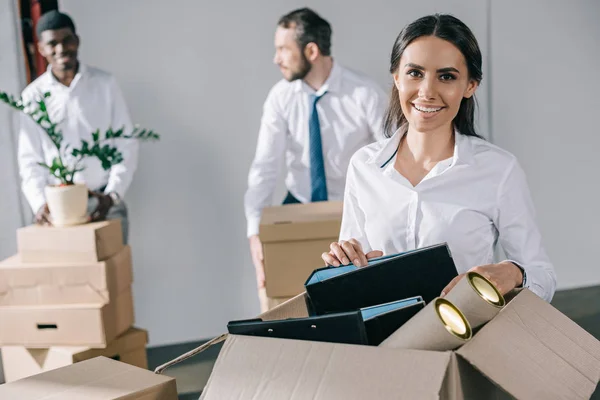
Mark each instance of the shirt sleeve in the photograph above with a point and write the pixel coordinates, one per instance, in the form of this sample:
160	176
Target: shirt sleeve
353	217
264	170
375	106
519	235
34	177
121	175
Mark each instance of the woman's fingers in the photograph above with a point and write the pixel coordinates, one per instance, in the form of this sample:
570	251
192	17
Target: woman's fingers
330	259
374	254
346	252
337	251
360	252
355	254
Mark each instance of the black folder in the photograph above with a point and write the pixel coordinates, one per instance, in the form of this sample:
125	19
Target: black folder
367	326
422	272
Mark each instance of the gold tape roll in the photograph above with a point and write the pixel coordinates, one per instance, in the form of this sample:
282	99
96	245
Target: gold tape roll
440	326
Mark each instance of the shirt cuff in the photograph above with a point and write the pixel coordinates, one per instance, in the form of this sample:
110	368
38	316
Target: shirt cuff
111	187
253	226
531	281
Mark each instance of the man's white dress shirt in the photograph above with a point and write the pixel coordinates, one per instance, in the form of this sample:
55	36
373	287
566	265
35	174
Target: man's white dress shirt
350	115
470	201
92	101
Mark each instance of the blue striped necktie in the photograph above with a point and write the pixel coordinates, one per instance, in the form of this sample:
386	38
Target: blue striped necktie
318	183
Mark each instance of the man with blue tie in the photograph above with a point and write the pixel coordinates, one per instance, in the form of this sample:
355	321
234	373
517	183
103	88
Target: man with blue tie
315	118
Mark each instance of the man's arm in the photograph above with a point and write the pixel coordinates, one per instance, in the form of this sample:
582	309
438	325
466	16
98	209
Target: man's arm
264	170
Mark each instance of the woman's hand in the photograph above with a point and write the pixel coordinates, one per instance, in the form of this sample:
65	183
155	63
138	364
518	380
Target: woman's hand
345	251
505	276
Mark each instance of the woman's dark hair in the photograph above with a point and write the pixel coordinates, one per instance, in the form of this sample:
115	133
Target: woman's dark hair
310	28
454	31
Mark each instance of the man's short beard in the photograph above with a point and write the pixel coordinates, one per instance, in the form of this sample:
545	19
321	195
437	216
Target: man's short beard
303	69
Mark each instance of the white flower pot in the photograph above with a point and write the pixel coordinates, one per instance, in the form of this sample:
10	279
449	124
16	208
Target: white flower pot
67	204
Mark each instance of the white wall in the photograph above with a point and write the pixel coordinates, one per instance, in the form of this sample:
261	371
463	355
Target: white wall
545	88
198	72
11	81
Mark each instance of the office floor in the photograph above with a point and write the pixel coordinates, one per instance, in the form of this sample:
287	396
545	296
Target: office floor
581	305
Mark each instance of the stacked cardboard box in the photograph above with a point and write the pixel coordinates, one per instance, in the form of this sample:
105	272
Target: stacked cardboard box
66	297
293	238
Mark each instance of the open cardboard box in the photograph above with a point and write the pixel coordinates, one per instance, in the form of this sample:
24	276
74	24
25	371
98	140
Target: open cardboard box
293	238
90	242
529	351
97	379
20	362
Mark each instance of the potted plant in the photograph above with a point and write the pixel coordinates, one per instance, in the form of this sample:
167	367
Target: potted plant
67	200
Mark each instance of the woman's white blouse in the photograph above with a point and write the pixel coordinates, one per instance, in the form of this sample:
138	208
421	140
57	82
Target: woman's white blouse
470	201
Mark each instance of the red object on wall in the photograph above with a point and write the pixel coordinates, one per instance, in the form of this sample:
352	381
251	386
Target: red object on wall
40	61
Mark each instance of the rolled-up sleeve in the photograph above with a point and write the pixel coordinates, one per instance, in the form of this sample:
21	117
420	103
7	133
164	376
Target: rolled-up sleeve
519	235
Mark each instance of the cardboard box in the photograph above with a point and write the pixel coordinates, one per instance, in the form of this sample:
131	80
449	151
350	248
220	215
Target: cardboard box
46	316
93	242
107	278
97	379
529	351
294	236
20	362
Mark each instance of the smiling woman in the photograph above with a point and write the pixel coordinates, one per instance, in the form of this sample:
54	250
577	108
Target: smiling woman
434	55
435	180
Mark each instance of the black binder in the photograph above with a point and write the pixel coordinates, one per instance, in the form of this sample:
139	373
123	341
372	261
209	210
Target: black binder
367	326
423	272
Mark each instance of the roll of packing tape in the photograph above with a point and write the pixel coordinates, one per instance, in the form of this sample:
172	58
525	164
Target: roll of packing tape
440	326
477	298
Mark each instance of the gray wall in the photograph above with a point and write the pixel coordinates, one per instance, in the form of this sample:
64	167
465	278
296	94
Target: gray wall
198	72
545	86
11	81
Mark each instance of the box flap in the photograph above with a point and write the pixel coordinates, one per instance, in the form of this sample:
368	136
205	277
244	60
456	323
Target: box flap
97	379
293	308
532	350
52	297
111	276
301	221
265	368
